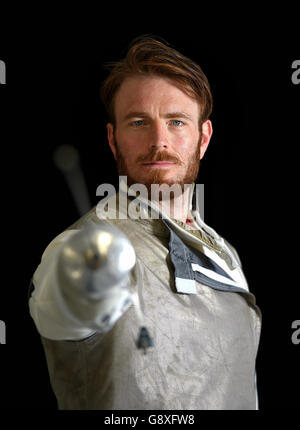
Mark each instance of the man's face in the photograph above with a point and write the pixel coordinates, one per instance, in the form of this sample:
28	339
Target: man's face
157	138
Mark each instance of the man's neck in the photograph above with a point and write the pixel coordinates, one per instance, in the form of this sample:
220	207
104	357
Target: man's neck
177	207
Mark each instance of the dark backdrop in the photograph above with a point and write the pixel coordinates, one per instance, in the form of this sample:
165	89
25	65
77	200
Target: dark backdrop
54	69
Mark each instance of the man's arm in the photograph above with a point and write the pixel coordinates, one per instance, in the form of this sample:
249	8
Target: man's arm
57	318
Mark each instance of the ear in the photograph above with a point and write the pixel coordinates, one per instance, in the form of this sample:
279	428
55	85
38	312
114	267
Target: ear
111	140
207	131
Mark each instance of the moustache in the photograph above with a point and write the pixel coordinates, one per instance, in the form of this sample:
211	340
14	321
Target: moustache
159	156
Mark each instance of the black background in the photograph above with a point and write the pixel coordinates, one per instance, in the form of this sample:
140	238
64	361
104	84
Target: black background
54	68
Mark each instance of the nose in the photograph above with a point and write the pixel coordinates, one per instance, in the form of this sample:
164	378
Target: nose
159	135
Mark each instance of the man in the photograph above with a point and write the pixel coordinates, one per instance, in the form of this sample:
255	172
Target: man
187	281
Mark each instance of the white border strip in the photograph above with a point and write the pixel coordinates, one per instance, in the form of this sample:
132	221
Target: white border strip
213	275
187	286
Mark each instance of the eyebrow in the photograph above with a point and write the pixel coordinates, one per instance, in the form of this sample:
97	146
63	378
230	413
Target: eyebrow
167	115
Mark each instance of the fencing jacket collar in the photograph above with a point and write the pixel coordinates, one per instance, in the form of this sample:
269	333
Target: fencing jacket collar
190	264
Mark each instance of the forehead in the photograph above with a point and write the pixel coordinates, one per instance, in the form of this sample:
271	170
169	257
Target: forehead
149	93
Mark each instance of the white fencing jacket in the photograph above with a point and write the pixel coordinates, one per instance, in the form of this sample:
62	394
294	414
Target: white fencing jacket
188	289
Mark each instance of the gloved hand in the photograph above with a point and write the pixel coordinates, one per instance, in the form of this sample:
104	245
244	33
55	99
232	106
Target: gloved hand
92	272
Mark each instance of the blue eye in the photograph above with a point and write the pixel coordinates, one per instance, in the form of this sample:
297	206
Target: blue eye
177	121
137	123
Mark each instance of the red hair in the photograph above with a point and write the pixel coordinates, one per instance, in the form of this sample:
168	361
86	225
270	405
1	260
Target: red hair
148	56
